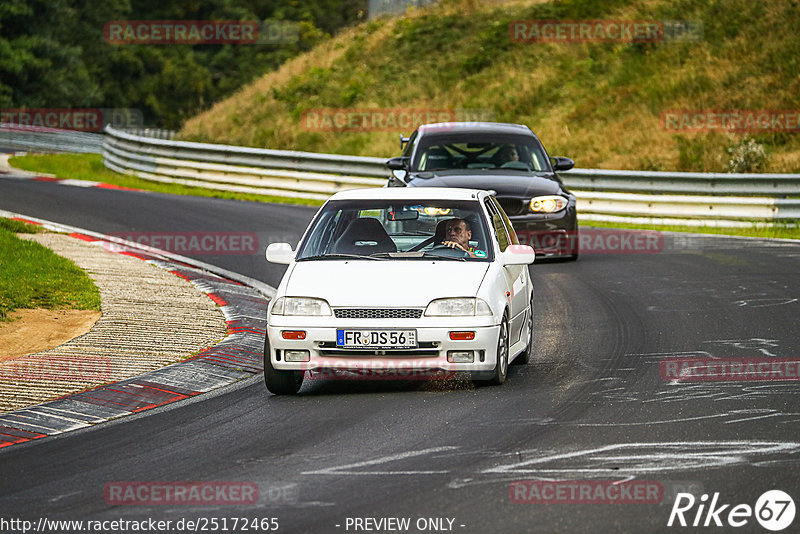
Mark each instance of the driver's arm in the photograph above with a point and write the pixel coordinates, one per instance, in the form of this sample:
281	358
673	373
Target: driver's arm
453	244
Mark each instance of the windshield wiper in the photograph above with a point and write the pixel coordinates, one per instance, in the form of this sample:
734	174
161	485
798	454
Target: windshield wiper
339	257
429	253
400	254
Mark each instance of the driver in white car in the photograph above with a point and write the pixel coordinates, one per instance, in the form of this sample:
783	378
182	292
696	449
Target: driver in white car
457	233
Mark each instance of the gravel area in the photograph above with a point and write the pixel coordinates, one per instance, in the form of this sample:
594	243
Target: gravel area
150	318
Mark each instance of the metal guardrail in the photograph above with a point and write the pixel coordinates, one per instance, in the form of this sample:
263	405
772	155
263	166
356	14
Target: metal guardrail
693	183
19	137
158	133
658	197
709	207
663	197
242	169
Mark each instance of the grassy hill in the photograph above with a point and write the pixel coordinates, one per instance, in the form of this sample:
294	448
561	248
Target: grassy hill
599	103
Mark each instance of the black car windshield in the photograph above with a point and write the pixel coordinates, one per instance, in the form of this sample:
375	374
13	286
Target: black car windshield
480	151
398	230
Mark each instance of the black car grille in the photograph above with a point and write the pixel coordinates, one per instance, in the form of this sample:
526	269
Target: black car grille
377	313
513	206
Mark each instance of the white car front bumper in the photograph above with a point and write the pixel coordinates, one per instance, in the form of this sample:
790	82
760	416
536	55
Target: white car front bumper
431	355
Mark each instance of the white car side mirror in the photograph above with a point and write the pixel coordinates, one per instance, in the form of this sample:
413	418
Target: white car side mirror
280	253
519	255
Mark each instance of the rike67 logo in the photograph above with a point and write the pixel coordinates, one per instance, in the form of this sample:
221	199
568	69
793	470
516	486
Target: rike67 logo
774	510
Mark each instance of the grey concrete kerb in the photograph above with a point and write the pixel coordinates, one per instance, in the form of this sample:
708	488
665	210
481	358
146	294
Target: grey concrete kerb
147	332
150	318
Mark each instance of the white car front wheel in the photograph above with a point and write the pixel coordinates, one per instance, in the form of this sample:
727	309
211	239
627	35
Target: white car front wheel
280	382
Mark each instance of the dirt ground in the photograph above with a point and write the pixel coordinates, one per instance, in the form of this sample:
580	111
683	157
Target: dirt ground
39	329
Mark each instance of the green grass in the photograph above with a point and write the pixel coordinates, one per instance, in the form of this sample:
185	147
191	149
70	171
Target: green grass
90	167
598	103
19	227
33	276
780	231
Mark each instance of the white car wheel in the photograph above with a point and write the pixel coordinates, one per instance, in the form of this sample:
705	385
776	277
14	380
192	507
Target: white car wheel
280	382
525	357
501	368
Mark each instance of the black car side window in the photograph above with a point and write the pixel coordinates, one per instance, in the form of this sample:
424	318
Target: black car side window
409	149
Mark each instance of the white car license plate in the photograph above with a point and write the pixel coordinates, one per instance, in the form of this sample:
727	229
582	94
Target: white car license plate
376	339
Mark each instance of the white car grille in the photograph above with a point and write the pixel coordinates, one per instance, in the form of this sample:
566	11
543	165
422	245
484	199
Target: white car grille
377	313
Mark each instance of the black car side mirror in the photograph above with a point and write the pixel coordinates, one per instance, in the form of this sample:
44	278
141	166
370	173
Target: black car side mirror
397	164
562	164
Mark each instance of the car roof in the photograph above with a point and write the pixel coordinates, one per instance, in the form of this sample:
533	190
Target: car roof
410	193
473	127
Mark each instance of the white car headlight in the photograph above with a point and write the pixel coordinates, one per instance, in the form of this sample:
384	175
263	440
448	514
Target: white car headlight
457	307
548	204
300	306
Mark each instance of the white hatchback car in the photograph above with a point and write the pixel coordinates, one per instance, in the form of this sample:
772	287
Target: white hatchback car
401	283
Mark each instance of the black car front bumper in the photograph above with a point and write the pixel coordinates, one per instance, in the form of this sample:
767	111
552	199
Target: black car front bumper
552	235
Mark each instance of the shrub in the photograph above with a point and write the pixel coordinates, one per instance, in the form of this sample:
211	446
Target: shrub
746	156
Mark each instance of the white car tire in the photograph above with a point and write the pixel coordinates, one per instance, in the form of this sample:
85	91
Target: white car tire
280	382
526	354
501	368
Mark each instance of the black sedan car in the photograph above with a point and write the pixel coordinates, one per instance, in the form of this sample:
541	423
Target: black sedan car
506	158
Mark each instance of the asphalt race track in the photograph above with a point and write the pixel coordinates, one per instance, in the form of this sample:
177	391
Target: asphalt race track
592	405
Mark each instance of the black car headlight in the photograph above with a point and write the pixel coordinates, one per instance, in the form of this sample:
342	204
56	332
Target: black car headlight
547	204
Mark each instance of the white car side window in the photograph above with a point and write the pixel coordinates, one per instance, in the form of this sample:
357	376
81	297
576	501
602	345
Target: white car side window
497	225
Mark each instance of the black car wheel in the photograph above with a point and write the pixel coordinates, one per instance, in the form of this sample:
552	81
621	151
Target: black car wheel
280	382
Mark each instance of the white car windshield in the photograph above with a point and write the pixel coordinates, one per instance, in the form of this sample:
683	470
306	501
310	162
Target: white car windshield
398	230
